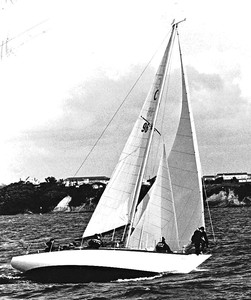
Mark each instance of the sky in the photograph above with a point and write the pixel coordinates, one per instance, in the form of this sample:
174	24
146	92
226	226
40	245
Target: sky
66	65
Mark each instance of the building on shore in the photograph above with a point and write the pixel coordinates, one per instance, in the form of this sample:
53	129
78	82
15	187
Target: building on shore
77	181
240	177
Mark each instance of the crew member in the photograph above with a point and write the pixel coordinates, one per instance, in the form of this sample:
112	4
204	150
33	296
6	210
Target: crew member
200	240
96	242
163	247
204	239
49	245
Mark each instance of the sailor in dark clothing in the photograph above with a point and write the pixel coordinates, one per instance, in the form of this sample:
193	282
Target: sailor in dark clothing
204	239
200	240
96	242
163	247
196	240
49	245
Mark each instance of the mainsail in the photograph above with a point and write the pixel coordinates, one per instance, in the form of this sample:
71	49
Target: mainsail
184	167
115	206
157	214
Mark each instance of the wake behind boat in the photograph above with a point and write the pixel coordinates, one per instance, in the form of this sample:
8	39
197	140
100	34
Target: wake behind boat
172	208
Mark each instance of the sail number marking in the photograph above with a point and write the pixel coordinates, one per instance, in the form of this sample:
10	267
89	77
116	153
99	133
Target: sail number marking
145	127
156	95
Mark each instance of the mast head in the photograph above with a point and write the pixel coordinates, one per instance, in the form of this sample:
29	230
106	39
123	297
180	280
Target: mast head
175	24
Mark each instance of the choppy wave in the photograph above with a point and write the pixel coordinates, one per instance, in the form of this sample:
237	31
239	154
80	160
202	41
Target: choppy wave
7	279
140	278
226	275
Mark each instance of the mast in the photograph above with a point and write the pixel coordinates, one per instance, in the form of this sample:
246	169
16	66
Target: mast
157	95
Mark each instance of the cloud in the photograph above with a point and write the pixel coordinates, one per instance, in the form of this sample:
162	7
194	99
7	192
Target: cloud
59	90
217	96
205	81
221	118
57	148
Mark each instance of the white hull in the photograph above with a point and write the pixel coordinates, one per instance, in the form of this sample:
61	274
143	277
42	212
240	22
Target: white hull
106	264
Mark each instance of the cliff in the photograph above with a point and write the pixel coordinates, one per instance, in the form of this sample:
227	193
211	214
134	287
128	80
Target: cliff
228	194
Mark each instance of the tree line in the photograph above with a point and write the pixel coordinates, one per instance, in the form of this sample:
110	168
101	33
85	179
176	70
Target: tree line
22	196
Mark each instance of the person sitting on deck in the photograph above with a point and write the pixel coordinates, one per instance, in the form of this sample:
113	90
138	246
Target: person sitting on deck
96	242
163	247
49	245
70	246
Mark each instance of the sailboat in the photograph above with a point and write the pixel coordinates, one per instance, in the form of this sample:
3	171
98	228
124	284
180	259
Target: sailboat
172	208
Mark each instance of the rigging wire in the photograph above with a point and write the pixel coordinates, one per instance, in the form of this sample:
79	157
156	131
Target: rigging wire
119	107
208	208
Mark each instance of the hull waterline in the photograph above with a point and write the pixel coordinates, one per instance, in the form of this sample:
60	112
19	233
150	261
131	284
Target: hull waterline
102	265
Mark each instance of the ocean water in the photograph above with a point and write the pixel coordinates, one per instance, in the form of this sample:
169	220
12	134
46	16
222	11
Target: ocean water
226	275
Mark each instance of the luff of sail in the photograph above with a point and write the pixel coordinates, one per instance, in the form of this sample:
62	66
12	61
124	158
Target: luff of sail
155	215
115	206
184	167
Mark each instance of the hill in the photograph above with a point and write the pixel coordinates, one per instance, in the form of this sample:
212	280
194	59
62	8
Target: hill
26	197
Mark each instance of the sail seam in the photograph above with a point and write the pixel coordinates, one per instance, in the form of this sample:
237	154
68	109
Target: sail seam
184	135
176	151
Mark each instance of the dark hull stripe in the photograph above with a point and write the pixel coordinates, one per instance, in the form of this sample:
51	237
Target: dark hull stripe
77	274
